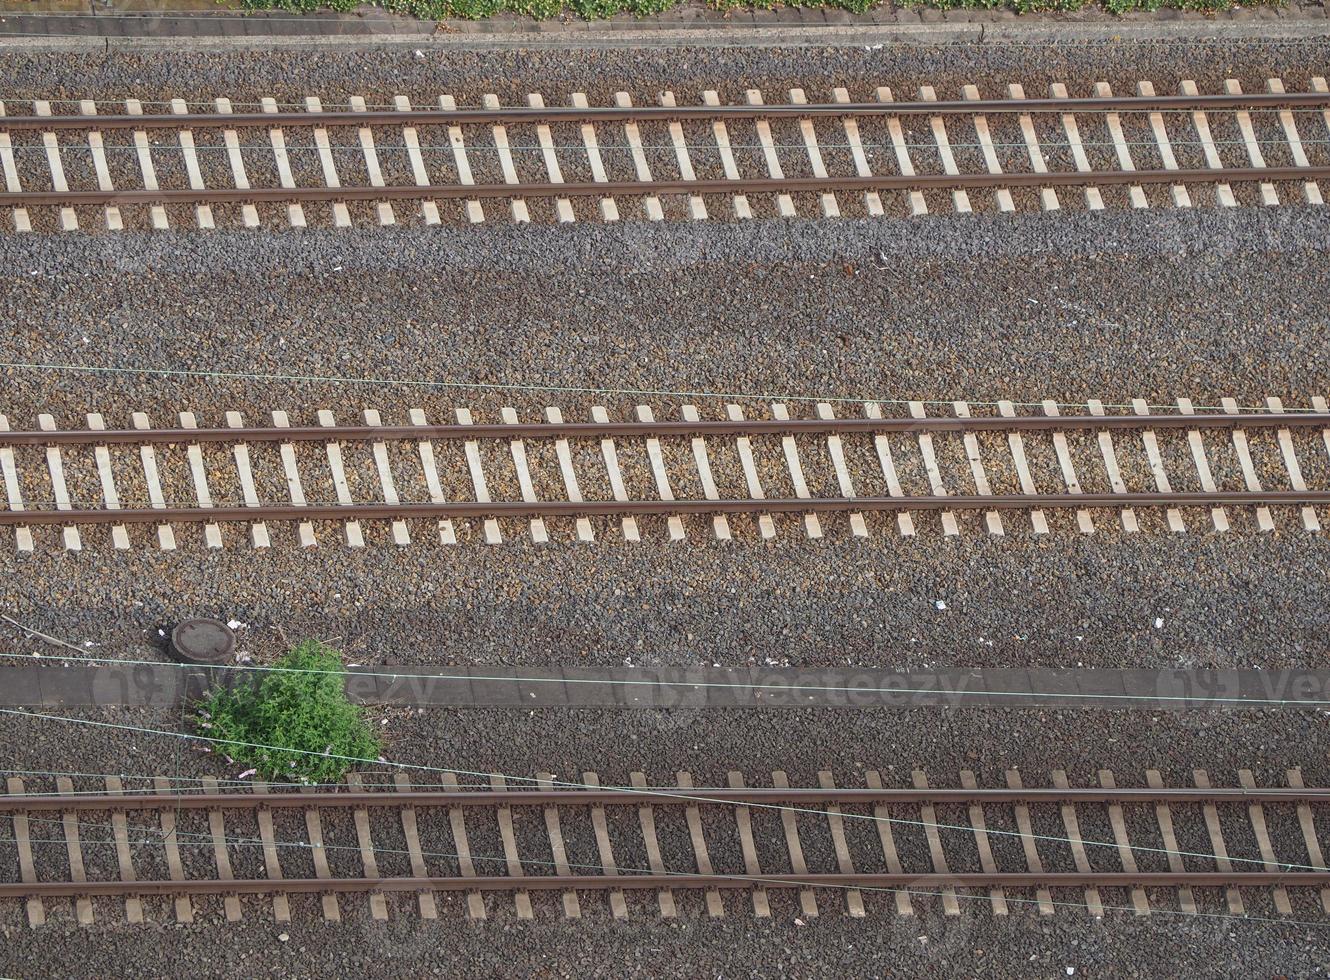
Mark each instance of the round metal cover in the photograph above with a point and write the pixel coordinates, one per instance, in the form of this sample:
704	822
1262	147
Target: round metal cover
203	641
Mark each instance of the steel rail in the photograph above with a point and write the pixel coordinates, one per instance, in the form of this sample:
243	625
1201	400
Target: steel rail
755	185
553	115
600	430
635	881
612	508
612	795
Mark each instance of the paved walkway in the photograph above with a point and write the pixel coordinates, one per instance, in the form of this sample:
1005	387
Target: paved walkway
55	684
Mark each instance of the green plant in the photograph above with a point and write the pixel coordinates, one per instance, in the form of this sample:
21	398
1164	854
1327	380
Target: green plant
296	723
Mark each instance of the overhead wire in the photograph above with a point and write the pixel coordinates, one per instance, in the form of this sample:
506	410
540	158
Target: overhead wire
268	378
781	687
669	792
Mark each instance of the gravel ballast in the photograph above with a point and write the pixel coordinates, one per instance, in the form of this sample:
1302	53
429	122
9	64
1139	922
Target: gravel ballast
424	74
1202	303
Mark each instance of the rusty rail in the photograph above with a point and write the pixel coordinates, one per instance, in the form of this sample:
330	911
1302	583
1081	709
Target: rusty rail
601	430
615	795
788	185
629	880
553	115
614	508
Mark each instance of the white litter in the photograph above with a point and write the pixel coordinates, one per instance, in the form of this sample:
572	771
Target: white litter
235	624
1159	622
247	773
939	604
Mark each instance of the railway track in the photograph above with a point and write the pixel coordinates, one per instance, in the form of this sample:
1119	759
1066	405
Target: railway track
739	474
861	849
116	165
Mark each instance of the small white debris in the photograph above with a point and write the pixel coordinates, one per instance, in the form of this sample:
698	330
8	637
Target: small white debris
1159	622
923	939
800	922
283	938
89	643
384	721
420	55
353	665
247	773
1071	971
161	632
939	604
382	759
35	653
235	624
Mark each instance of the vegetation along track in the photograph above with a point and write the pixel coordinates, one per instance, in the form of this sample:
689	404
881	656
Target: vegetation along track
1009	848
446	163
1055	469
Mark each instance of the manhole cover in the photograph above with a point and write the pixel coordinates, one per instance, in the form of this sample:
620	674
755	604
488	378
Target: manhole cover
203	641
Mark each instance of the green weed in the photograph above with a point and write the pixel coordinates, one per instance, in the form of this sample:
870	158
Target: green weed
304	711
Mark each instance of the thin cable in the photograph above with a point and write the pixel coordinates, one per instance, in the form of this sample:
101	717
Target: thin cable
629	871
664	791
561	389
723	685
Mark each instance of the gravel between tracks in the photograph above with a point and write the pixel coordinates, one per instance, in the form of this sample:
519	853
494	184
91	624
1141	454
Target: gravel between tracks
833	945
335	75
1237	602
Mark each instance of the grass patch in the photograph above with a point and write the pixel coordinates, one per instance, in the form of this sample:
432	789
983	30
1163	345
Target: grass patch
306	711
601	9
